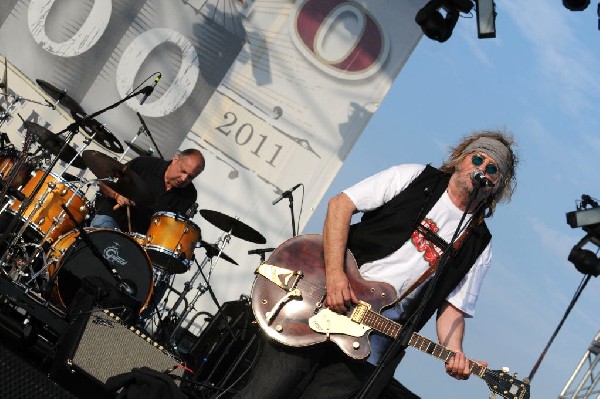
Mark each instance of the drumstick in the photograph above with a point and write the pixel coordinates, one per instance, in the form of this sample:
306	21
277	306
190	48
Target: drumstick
129	218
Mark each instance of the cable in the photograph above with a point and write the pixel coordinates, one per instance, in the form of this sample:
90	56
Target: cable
582	285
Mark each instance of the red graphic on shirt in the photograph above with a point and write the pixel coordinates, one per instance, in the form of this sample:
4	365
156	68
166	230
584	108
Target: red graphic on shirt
431	252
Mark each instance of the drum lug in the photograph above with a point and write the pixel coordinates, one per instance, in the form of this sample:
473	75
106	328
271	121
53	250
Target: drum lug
149	238
156	221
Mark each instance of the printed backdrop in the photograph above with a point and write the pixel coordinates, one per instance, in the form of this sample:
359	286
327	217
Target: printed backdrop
274	93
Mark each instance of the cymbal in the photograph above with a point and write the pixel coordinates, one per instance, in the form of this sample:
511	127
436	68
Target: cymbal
102	135
54	143
61	96
233	226
129	184
212	250
137	149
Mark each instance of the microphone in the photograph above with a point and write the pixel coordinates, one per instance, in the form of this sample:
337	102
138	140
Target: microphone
149	89
478	177
286	193
192	210
260	251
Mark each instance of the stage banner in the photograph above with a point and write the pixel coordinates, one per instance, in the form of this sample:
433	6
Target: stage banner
275	94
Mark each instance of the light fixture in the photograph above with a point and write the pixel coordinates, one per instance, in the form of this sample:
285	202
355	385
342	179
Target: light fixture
585	261
437	26
486	19
576	5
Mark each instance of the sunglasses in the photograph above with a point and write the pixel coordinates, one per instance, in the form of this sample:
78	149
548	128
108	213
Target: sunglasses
491	168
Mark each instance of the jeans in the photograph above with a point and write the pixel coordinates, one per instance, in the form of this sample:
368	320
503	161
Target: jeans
104	222
320	371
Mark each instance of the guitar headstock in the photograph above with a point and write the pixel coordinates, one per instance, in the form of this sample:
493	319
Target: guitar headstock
506	385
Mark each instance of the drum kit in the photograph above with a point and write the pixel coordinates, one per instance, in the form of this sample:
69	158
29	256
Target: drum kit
46	246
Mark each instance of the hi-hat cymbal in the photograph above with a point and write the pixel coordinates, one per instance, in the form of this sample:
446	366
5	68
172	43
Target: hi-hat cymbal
212	250
101	135
62	97
137	149
233	226
54	144
129	184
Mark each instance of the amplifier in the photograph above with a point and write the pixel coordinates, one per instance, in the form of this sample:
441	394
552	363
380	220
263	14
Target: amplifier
108	348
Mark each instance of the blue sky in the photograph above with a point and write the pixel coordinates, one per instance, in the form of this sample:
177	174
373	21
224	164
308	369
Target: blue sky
540	80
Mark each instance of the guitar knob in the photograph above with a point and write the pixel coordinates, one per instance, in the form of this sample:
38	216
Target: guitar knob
356	345
278	328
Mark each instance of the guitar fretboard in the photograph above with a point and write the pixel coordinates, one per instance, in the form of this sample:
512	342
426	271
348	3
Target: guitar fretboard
392	329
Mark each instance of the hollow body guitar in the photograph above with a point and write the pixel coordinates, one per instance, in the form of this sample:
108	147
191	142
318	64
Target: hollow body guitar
287	301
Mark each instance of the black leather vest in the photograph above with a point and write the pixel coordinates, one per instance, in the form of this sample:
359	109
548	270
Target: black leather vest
385	229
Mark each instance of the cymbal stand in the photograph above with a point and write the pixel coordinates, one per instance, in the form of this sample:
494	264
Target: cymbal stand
202	288
139	132
6	114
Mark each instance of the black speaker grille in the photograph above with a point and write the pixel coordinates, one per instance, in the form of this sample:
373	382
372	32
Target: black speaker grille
21	380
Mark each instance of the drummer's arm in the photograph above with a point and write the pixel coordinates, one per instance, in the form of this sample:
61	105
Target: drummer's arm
112	194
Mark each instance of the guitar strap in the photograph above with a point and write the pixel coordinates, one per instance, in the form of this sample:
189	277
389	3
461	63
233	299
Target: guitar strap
439	242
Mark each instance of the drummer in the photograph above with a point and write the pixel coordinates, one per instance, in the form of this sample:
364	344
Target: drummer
168	182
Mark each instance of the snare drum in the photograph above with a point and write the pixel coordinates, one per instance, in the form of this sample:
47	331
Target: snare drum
72	260
47	218
170	241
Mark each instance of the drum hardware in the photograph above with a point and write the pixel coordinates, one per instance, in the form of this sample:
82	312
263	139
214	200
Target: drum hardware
128	183
61	97
233	226
138	150
214	250
56	145
101	135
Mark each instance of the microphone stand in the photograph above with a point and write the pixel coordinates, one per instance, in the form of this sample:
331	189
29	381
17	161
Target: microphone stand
397	349
149	135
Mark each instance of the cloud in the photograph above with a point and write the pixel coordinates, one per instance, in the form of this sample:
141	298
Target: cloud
564	59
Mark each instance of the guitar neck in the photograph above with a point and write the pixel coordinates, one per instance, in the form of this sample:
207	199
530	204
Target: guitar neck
392	329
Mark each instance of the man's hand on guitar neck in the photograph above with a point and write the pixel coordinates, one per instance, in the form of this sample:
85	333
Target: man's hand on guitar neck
340	295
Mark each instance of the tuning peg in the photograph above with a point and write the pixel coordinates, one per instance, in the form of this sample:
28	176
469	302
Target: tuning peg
505	370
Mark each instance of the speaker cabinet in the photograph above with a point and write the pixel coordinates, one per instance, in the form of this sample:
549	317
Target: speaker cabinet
20	379
103	347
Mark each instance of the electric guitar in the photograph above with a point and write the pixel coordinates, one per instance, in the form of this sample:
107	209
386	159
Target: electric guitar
287	301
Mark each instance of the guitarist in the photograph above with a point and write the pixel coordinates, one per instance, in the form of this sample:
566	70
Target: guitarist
410	214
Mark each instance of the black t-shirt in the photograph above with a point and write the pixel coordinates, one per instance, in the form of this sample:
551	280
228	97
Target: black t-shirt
152	171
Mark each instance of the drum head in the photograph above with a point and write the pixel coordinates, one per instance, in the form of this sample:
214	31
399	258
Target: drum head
121	253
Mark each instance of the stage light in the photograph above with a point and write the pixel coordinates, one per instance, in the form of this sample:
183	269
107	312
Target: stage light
576	5
437	26
486	19
585	261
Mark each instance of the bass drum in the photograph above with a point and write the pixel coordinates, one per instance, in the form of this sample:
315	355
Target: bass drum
72	260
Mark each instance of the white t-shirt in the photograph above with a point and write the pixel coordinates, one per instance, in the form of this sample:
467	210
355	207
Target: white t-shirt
404	266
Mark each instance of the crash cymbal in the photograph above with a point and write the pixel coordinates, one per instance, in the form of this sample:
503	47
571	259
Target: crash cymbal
101	135
129	184
212	250
138	150
233	226
53	143
61	96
